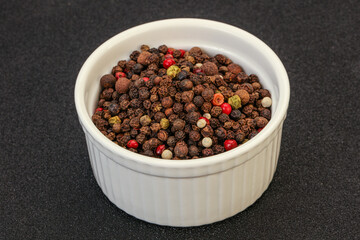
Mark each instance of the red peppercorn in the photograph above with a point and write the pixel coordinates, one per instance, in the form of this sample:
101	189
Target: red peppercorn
197	70
169	56
259	130
230	144
182	52
170	51
160	149
119	75
99	109
218	99
145	79
207	120
226	108
168	62
132	144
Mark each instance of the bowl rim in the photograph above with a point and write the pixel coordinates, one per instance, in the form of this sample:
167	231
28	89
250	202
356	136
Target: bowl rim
276	120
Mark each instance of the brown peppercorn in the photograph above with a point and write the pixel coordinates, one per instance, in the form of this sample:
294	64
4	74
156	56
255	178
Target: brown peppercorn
254	97
256	85
167	102
199	89
208	94
168	111
180	135
239	136
223	117
214	123
207	131
207	152
158	116
195	51
178	107
218	149
125	125
247	87
134	132
173	117
154	142
187	96
248	109
140	138
235	125
261	122
252	134
107	94
163	91
254	114
253	78
186	85
242	78
264	93
171	141
163	49
181	149
135	122
220	133
216	111
178	124
114	109
206	107
234	68
144	93
230	134
194	135
193	150
210	69
107	81
162	135
123	140
193	117
190	107
227	125
266	113
198	101
155	127
147	104
116	127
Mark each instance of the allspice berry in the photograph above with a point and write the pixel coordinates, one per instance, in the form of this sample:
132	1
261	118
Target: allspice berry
122	85
181	149
244	96
144	58
210	69
107	81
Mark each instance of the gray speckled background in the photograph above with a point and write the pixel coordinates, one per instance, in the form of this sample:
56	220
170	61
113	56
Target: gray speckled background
47	187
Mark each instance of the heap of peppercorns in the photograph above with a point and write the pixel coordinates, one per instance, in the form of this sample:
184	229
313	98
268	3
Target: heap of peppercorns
176	104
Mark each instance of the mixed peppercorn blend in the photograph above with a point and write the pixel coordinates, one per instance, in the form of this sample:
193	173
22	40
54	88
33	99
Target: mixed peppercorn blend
176	104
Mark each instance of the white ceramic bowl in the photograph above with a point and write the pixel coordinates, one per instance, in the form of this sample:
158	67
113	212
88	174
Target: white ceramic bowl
188	192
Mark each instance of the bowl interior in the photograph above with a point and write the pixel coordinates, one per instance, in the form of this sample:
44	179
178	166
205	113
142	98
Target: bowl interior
213	37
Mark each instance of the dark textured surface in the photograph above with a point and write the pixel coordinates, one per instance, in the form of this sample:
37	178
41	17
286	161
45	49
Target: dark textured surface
47	187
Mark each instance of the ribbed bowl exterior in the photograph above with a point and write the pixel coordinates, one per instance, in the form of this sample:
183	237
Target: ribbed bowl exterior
190	201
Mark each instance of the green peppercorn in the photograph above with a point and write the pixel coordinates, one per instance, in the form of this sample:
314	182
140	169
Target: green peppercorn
114	120
164	123
235	102
173	71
